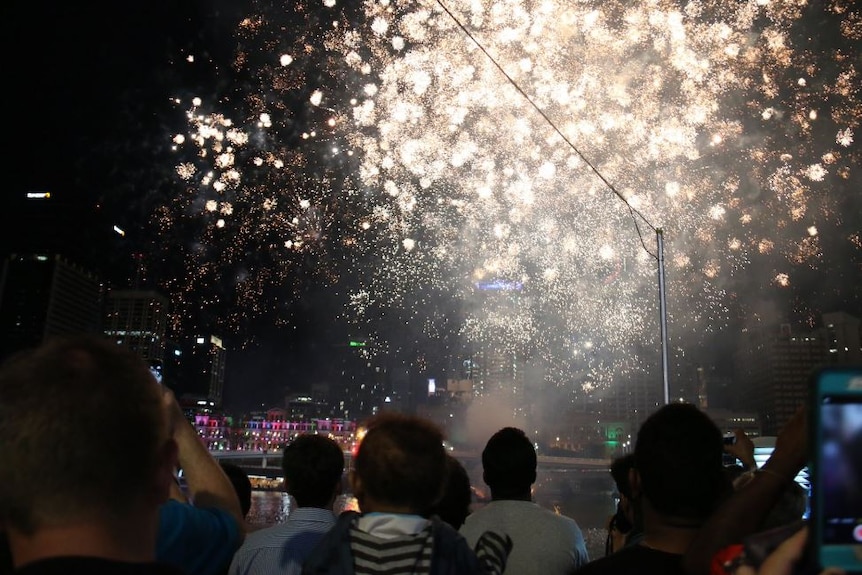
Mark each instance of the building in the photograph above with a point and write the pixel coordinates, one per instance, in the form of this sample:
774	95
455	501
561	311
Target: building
633	394
842	332
773	364
494	358
138	320
715	389
498	370
728	421
42	296
360	384
307	406
195	370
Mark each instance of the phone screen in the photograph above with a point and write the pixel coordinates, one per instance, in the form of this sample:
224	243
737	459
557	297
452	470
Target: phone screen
837	484
156	370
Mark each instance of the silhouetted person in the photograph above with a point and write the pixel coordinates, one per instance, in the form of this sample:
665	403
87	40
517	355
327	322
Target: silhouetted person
624	527
454	506
86	458
398	476
241	484
677	481
313	466
543	542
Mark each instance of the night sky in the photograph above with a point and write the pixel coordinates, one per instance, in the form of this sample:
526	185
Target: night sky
87	111
87	87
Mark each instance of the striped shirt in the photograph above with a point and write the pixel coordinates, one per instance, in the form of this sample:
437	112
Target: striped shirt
390	544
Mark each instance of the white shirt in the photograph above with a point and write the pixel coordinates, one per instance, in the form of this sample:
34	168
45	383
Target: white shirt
543	542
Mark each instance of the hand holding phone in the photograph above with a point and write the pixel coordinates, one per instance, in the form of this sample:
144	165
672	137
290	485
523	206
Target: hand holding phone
836	470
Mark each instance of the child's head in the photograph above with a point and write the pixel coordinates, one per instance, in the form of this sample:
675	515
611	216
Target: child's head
400	465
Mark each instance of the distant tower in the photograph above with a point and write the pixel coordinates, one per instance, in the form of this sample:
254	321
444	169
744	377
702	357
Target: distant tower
42	296
497	363
843	338
217	355
498	371
772	367
138	320
201	366
361	383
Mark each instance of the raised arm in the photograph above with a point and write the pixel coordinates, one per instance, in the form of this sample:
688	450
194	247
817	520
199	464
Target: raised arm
742	449
744	511
208	484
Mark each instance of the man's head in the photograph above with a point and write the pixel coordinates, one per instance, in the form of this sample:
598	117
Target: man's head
509	464
313	466
83	435
454	506
678	459
400	465
241	484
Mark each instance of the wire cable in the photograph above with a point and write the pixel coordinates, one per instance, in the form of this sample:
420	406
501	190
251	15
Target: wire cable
633	212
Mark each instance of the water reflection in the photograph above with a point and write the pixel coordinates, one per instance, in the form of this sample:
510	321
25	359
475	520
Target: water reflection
271	507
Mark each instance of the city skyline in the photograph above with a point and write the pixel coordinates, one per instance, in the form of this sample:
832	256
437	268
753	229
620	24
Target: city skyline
97	122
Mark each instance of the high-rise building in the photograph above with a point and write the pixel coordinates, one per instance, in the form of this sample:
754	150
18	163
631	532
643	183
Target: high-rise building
361	384
138	320
498	371
774	363
843	338
201	368
42	296
495	361
715	389
628	395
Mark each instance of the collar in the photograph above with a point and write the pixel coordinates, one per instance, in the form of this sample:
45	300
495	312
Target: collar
391	525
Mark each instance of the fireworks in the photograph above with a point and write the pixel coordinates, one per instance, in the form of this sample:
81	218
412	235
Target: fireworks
385	149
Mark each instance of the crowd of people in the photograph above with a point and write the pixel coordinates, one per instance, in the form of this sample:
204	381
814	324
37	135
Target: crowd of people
91	447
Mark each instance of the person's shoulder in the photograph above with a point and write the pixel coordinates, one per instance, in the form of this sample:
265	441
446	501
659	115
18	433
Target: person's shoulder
268	536
634	560
441	528
270	549
187	533
326	556
94	566
176	512
477	521
559	518
311	515
300	520
620	562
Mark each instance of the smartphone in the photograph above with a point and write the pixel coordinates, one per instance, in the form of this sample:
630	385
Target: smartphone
836	468
727	459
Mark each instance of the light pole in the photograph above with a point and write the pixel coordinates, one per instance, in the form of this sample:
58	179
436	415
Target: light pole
662	310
